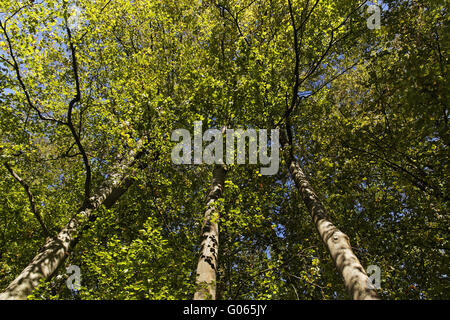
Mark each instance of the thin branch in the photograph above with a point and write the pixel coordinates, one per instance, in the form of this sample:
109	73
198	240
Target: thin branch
333	78
7	61
314	65
101	11
16	68
297	59
308	16
76	99
415	180
17	11
33	207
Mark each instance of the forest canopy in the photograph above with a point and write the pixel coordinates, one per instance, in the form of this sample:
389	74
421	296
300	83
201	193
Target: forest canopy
96	95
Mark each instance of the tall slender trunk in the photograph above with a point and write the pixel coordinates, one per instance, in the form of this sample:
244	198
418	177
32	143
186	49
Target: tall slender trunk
355	278
56	249
207	263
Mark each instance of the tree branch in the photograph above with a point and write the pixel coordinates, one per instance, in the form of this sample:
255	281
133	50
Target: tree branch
76	99
33	208
16	68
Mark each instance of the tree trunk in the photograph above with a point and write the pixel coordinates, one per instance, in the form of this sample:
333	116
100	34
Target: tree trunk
207	263
56	249
355	278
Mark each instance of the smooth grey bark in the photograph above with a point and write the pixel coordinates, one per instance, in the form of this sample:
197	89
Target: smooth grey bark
56	249
355	277
207	262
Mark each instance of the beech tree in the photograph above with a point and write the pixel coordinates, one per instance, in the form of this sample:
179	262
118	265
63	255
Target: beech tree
207	264
91	91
